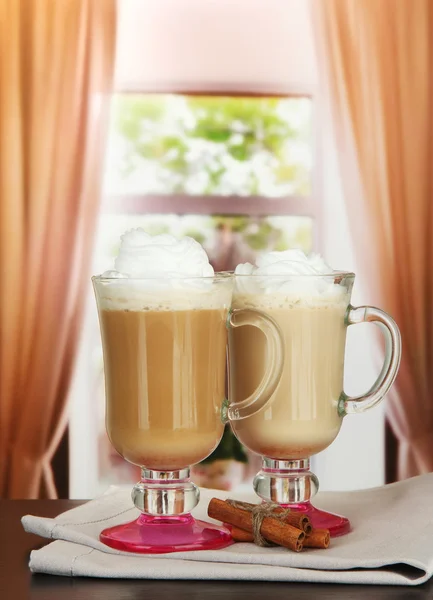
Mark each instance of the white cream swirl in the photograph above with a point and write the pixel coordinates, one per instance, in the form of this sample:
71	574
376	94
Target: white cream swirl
288	262
161	256
292	275
161	273
291	262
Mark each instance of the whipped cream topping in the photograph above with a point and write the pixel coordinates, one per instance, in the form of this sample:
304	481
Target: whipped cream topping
159	256
161	273
287	278
288	262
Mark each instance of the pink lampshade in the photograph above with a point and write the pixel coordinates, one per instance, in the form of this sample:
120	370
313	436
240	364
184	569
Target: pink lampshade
215	46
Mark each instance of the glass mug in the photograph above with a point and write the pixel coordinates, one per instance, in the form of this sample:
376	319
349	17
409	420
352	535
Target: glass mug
304	415
164	347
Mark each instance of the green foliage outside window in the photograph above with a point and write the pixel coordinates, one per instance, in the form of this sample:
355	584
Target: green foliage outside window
212	145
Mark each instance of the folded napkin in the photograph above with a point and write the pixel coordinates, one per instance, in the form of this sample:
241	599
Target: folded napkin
391	542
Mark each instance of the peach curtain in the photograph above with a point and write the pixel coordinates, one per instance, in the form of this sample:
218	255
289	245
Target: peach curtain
377	58
56	64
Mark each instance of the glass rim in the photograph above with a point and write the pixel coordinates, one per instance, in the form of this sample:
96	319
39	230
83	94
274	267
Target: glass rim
218	276
225	275
333	274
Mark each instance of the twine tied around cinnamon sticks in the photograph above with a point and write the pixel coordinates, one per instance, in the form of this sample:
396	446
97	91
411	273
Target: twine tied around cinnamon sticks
268	524
259	512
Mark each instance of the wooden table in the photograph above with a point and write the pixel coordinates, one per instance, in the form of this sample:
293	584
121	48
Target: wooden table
17	583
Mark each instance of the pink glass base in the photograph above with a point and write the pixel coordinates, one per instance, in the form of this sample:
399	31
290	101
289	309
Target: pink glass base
158	535
321	519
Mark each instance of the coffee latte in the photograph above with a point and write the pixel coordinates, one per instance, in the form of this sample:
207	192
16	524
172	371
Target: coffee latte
302	418
164	377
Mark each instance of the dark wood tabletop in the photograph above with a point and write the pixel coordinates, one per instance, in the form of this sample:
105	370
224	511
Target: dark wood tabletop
17	583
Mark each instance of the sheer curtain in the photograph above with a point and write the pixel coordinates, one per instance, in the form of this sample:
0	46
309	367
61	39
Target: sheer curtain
56	64
377	61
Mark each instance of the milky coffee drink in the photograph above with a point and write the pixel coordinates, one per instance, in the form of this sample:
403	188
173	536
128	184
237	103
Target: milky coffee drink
302	417
164	344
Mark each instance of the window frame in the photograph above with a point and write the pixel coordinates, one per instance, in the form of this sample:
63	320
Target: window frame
204	205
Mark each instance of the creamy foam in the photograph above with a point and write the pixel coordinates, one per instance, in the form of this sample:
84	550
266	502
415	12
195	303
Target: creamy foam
134	295
284	279
161	273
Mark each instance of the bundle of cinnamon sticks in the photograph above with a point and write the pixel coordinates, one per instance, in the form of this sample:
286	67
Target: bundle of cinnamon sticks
292	530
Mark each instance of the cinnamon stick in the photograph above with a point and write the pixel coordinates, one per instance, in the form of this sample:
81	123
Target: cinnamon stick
319	538
273	530
297	520
239	535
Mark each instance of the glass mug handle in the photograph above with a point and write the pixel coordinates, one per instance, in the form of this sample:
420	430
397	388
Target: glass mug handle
234	411
368	314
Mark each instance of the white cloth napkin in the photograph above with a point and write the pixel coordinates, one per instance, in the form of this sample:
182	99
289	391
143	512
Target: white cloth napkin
391	542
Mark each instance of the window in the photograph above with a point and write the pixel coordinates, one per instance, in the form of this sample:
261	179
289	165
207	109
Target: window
204	145
234	172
